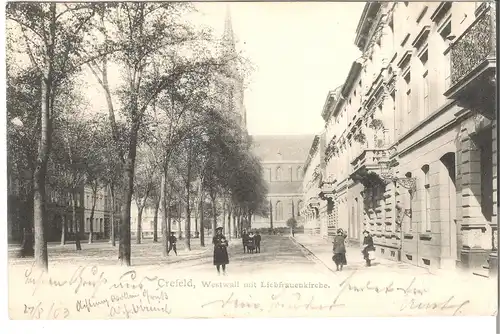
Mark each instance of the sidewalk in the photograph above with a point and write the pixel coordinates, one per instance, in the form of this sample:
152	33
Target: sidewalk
321	249
104	253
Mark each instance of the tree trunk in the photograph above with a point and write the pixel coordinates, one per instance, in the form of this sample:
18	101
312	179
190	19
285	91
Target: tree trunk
196	221
224	215
63	230
76	223
235	226
39	215
188	201
91	226
202	220
155	221
250	220
164	214
229	223
169	220
28	241
179	211
112	234
239	223
128	175
271	214
214	215
187	240
140	208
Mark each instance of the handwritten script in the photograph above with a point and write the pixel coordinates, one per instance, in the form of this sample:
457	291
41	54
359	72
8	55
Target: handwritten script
92	292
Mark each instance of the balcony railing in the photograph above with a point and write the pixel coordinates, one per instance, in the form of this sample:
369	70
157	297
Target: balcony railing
475	45
368	158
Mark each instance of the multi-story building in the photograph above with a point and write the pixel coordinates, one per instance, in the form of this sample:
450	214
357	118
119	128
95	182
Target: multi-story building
282	159
411	135
317	209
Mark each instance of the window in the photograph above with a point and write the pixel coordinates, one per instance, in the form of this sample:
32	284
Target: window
87	224
407	79
426	94
408	210
278	174
425	78
279	211
445	33
426	201
290	172
299	208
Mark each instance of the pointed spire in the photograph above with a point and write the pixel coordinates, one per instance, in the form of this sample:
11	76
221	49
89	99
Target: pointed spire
228	36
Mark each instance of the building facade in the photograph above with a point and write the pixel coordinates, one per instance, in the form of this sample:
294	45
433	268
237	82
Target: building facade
411	135
317	210
282	159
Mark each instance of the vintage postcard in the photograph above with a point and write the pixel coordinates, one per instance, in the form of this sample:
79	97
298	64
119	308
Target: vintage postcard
255	159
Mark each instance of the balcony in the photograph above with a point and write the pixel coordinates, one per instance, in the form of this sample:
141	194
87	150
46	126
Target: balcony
473	64
369	159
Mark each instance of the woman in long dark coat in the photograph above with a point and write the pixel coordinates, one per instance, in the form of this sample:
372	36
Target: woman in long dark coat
339	249
367	247
221	258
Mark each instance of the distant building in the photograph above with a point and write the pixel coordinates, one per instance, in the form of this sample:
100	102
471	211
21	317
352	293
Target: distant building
282	158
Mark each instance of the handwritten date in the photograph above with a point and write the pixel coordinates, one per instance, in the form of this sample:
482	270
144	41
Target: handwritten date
40	311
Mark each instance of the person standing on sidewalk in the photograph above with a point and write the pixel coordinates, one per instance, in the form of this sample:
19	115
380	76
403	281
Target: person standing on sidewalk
172	240
339	249
258	238
367	247
221	258
244	239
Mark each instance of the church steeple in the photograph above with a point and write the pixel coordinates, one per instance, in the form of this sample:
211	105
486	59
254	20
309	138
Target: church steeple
234	88
228	37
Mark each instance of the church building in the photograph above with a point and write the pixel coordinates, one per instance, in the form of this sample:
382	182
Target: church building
282	158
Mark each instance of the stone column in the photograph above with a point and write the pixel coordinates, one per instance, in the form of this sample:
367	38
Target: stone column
473	228
458	194
446	207
493	258
388	118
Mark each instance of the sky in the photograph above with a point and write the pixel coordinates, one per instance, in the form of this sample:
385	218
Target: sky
299	51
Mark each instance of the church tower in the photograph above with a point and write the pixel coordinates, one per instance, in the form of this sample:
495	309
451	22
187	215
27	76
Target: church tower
234	89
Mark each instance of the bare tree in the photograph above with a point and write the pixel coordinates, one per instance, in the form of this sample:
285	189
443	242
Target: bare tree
50	35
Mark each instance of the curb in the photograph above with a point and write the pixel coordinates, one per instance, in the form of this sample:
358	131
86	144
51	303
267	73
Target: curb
311	254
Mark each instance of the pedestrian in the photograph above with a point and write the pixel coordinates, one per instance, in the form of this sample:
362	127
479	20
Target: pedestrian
367	247
339	249
244	239
250	242
221	258
258	238
172	240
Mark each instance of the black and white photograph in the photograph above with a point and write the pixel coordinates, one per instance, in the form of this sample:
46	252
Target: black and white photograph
251	159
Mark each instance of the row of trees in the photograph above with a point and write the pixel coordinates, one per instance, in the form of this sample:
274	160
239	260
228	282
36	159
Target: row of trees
167	134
